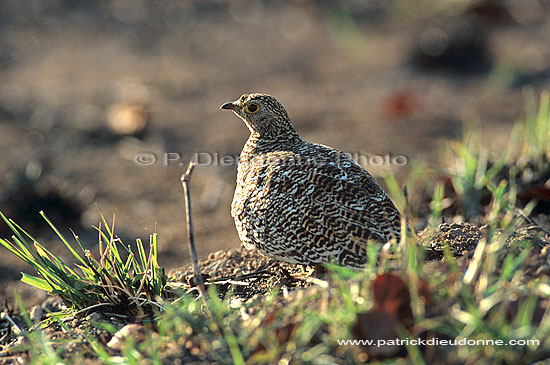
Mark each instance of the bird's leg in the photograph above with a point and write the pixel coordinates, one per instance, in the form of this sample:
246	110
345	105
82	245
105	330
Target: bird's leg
288	276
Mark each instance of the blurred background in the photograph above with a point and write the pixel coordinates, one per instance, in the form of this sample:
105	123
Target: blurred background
88	86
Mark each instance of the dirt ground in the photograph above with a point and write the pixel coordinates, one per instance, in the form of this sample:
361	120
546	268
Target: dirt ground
394	78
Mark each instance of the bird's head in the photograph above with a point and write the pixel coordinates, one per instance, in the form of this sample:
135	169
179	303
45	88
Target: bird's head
262	114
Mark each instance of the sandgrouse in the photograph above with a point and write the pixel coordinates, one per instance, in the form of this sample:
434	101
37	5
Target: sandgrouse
302	202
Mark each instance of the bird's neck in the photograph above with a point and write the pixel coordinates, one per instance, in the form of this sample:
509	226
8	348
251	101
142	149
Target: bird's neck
263	143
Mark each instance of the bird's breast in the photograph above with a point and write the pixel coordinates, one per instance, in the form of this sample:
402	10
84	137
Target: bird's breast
258	181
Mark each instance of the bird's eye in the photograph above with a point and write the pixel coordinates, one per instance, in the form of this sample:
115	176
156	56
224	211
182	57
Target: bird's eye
251	108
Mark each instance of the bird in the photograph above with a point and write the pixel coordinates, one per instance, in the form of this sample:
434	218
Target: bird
301	202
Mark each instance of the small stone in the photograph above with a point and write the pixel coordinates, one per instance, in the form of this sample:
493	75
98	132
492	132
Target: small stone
37	314
136	331
53	304
94	317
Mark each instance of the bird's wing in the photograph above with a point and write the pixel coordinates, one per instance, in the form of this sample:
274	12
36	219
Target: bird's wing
338	204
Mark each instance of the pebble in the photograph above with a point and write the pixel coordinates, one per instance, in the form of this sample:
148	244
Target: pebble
37	314
137	331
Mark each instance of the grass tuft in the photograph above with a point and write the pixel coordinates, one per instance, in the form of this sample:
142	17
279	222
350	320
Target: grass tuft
132	286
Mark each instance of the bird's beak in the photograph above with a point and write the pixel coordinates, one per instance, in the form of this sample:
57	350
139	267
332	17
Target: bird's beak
230	106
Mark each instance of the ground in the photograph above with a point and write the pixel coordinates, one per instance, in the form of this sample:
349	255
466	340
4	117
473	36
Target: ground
249	276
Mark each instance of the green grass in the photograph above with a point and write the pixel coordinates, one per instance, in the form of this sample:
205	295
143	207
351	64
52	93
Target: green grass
132	285
489	297
476	172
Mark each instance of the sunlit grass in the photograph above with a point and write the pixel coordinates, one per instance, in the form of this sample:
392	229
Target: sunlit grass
476	172
133	285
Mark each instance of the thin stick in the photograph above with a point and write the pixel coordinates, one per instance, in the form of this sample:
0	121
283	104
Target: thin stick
6	316
185	180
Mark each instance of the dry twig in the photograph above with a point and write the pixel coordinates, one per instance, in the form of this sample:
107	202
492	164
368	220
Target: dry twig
185	180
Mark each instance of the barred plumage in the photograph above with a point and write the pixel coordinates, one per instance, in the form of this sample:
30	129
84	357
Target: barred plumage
302	202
